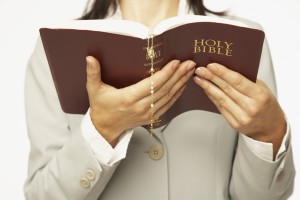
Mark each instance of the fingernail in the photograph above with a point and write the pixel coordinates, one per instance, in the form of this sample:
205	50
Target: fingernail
88	63
198	80
182	89
199	70
190	66
175	64
212	66
189	73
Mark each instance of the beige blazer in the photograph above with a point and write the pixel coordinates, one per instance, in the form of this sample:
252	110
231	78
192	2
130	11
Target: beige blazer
203	157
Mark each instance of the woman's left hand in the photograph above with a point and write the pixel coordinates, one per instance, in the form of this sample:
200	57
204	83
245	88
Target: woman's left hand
250	108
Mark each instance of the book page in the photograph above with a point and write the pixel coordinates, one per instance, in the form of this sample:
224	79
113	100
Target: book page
174	22
135	29
122	27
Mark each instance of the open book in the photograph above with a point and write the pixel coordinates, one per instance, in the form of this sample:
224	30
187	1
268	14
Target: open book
120	46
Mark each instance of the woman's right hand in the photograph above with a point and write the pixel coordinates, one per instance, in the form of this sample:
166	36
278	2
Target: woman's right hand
115	110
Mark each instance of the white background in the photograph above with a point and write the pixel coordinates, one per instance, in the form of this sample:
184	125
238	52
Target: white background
19	23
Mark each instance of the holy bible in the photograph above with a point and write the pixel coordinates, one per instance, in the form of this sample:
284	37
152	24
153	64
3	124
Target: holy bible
121	48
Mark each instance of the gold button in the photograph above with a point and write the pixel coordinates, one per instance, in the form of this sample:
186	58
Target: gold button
90	175
85	183
156	152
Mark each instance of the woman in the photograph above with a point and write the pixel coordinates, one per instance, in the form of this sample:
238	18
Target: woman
245	153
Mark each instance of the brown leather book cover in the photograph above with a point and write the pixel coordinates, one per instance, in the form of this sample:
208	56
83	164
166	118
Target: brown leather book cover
124	59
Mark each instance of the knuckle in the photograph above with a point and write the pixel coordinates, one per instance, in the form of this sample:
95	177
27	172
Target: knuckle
226	88
236	126
264	98
126	102
221	101
165	89
244	121
238	80
90	78
169	96
261	101
253	110
123	105
129	97
91	74
141	109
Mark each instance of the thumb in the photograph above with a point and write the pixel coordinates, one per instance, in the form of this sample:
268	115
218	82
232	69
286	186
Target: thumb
93	73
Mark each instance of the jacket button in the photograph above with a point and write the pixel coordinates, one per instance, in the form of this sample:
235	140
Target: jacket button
156	152
90	175
85	183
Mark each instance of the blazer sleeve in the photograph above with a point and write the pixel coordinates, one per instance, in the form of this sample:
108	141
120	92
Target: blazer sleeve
61	163
253	177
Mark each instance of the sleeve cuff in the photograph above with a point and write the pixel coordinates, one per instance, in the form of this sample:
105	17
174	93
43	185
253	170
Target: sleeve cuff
102	150
265	150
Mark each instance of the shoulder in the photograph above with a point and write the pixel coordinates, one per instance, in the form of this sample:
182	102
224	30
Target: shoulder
38	57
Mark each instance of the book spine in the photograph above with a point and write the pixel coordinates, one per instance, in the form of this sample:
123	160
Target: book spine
154	60
159	55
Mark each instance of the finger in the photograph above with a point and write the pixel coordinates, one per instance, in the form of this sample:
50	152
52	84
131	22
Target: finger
179	78
236	80
219	98
227	115
141	89
93	74
159	111
162	100
238	97
262	83
171	87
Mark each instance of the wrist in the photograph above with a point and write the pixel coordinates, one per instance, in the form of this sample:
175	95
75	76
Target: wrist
108	131
273	135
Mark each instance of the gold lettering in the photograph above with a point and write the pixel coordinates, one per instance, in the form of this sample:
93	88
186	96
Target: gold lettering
228	45
228	52
210	42
213	47
219	44
197	49
157	54
219	51
204	49
211	50
201	43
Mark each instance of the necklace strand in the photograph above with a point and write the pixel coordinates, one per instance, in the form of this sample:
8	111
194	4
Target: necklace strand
150	53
